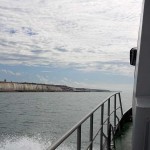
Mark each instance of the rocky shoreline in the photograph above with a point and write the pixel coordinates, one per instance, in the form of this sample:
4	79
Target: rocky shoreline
37	87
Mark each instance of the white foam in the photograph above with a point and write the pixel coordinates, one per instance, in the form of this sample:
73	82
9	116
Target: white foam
23	143
30	143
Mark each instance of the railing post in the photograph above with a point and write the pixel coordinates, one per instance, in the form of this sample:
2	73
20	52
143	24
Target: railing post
79	138
113	138
120	104
109	137
115	112
101	133
91	132
108	122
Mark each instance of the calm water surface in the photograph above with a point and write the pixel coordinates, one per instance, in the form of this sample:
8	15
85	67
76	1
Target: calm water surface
30	121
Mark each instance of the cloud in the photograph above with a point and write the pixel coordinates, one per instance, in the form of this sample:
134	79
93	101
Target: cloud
22	30
42	79
84	35
46	71
28	31
61	49
9	72
113	67
96	85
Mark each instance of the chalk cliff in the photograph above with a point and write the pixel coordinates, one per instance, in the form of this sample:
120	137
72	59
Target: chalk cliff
35	87
32	87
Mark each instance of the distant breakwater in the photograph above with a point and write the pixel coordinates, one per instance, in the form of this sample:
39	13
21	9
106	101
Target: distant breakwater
35	87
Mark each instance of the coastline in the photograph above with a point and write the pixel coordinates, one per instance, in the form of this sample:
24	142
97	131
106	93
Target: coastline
39	87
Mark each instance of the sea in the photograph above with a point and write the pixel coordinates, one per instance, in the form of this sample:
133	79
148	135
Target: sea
34	120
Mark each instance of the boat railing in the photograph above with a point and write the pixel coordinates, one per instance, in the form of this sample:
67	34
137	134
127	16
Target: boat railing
111	122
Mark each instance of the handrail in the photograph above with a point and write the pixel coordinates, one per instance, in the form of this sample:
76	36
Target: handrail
90	115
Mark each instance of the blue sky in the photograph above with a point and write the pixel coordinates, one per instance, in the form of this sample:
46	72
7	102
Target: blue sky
80	43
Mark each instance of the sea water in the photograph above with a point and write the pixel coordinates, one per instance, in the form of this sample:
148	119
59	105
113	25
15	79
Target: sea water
33	121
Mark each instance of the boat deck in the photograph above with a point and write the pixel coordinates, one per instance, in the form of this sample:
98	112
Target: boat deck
123	141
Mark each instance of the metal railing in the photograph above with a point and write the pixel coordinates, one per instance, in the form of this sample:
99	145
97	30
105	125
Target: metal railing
111	125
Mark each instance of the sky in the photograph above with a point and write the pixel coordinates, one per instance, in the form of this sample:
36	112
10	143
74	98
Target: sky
80	43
